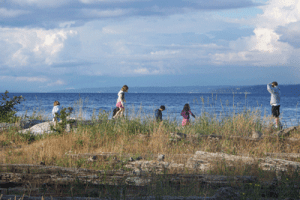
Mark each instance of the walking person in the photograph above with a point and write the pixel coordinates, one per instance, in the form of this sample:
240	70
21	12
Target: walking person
275	102
56	109
120	102
158	113
185	113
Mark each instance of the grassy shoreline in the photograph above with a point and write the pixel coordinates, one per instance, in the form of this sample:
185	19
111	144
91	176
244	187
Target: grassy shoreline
142	137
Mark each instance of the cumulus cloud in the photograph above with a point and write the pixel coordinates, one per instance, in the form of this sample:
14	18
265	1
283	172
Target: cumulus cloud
32	46
269	44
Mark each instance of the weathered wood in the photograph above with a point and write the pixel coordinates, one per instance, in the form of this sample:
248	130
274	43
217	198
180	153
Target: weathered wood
283	155
286	132
11	197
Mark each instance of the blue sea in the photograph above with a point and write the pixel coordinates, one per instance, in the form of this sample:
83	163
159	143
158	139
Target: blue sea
144	104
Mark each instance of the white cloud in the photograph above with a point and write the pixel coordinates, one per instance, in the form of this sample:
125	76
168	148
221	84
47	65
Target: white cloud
24	78
107	1
56	83
32	46
265	48
165	53
42	3
105	13
5	13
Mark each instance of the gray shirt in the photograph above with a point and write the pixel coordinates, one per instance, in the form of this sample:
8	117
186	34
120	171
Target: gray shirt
275	94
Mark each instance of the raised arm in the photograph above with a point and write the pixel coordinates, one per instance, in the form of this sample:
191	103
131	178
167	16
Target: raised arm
270	88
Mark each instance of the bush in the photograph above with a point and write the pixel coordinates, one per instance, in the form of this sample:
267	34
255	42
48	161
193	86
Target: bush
7	107
64	113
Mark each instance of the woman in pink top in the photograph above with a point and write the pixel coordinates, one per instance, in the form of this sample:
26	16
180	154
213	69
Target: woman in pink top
185	113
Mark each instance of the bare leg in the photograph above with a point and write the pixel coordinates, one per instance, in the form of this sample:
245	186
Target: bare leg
119	113
277	122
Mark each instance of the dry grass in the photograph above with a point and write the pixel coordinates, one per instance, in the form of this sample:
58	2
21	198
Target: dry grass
139	136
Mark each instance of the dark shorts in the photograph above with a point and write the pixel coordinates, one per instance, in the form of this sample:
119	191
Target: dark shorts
275	111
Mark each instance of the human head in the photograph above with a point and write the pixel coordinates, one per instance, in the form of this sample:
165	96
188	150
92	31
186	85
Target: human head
162	107
56	103
125	88
186	107
274	84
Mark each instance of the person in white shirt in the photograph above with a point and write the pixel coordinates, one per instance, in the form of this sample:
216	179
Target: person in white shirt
275	101
56	109
120	101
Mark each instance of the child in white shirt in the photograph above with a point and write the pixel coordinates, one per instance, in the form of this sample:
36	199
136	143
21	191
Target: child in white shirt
56	109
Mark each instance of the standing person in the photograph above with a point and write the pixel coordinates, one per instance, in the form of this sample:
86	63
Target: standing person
185	113
158	113
56	109
275	101
120	101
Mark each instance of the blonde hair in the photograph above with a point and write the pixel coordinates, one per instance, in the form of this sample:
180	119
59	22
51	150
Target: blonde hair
124	88
56	103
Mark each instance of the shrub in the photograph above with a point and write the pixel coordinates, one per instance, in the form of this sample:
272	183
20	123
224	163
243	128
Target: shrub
7	107
64	113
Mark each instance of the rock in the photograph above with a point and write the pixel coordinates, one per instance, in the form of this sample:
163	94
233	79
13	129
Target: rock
256	134
68	128
161	157
27	123
4	126
226	193
139	158
137	181
131	159
92	158
138	172
178	135
39	129
285	132
269	164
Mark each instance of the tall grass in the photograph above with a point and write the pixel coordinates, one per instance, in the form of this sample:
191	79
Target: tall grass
139	134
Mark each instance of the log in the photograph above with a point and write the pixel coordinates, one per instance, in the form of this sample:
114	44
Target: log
283	155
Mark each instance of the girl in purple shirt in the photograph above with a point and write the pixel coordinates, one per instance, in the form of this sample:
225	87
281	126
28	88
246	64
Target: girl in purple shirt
185	113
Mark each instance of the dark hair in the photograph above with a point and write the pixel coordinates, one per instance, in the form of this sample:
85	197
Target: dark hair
162	107
124	88
274	83
186	107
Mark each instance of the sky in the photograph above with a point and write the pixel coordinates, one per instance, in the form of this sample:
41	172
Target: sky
48	45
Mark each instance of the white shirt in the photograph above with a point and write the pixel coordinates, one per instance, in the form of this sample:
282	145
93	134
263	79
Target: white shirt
55	109
121	97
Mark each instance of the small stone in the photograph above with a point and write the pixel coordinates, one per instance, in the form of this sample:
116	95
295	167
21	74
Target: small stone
256	134
92	158
178	135
131	159
161	157
139	158
68	128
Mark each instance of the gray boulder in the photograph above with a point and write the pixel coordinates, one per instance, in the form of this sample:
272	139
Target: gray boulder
256	134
